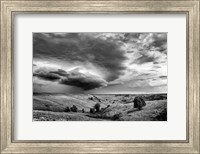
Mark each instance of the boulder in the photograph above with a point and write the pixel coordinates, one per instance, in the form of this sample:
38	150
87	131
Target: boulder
138	102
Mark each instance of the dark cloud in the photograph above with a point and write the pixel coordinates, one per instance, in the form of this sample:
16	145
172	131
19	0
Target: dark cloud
157	41
156	62
163	77
145	74
130	51
83	81
45	74
72	78
60	72
78	47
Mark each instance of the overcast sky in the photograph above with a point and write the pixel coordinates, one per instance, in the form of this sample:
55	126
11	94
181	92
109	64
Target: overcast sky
100	62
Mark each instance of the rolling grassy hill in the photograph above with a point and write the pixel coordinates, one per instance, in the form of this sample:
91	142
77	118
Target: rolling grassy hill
52	107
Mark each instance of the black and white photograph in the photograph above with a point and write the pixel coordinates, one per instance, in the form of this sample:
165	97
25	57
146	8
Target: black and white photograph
103	76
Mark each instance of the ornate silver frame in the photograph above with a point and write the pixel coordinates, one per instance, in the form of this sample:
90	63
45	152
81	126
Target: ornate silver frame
189	7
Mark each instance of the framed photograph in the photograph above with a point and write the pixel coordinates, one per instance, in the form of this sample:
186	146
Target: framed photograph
100	76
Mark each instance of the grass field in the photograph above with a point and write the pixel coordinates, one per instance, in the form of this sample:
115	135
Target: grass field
52	107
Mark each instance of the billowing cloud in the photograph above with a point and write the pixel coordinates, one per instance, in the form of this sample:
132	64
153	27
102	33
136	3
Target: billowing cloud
156	41
163	77
46	74
149	56
91	61
147	41
85	81
83	49
74	77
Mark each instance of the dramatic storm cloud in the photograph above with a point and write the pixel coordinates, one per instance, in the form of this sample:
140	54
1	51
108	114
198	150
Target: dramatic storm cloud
46	74
72	78
100	62
79	48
